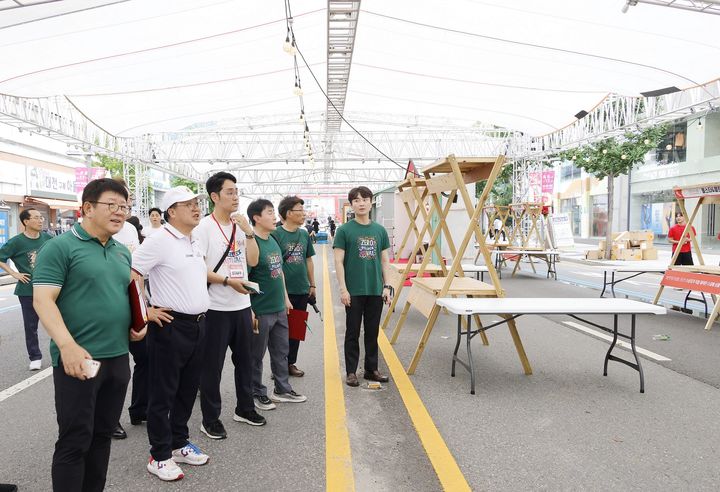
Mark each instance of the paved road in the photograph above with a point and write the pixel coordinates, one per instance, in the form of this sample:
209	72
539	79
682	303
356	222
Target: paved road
566	427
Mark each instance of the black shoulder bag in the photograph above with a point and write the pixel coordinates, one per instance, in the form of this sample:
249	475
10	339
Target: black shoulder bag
227	250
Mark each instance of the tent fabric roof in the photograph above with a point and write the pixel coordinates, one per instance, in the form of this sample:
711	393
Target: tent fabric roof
142	66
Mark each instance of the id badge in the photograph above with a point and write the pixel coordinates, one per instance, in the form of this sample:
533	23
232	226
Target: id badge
236	269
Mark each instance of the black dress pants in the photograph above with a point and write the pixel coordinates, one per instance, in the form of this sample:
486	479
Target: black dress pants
300	302
366	310
87	413
139	395
175	358
226	329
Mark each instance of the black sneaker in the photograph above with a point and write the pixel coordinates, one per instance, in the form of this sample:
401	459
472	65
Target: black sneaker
250	417
264	403
119	432
214	430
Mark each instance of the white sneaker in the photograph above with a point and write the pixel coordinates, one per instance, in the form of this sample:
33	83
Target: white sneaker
290	397
165	470
36	365
190	454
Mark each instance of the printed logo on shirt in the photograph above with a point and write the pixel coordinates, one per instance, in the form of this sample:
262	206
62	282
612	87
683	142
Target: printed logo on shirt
32	256
367	247
297	253
274	261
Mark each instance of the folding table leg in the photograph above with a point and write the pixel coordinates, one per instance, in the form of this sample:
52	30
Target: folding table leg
483	336
518	344
400	322
423	339
471	363
604	283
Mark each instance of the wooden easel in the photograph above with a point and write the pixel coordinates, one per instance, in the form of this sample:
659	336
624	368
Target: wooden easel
533	212
451	175
413	194
708	193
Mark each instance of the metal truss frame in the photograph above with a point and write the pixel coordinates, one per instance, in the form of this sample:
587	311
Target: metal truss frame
701	6
342	19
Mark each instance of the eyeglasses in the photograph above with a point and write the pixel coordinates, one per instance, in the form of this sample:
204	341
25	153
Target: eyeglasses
38	217
114	207
230	191
297	210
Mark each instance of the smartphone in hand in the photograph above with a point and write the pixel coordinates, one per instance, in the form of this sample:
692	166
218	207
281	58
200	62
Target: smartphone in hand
90	368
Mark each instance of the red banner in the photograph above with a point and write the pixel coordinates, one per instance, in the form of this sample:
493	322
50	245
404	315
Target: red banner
83	175
697	191
701	282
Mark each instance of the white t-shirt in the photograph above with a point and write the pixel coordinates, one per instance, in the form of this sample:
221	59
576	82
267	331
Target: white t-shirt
128	236
150	230
176	269
213	239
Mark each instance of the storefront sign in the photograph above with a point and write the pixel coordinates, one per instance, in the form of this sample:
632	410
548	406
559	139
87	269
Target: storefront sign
83	175
12	179
4	226
709	189
548	181
48	183
701	282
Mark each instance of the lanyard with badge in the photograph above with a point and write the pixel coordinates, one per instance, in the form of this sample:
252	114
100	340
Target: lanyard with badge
235	265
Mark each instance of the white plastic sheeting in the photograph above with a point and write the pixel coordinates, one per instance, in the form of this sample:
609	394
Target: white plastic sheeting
143	66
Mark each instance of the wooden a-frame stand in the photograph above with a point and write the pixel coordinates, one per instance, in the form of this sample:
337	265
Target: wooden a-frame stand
708	193
451	175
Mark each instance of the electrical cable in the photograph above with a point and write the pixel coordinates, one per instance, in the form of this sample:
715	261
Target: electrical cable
340	113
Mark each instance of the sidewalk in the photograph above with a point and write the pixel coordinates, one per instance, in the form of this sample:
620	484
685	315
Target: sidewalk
664	256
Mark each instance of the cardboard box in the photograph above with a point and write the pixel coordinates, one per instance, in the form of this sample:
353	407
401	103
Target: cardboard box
594	254
649	254
602	244
634	254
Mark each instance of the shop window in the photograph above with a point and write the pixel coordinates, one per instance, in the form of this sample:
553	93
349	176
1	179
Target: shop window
599	215
571	207
673	147
568	171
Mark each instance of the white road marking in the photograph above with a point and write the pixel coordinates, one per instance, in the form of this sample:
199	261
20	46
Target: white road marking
625	345
17	388
9	308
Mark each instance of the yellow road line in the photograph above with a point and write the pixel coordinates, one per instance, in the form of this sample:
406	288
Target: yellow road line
338	461
446	468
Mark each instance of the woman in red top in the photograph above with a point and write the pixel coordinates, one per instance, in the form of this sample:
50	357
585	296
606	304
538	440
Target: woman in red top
674	235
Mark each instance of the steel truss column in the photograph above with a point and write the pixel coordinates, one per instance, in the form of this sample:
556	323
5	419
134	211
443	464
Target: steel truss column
341	27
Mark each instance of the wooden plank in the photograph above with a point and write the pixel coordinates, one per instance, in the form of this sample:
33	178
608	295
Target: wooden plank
422	300
466	163
442	184
407	196
458	286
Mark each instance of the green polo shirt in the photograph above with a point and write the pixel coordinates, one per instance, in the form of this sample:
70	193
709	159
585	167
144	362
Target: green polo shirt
93	299
363	245
22	250
268	273
296	249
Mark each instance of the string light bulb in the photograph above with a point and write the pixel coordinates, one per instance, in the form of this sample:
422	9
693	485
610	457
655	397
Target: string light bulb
646	141
699	125
668	147
623	157
302	116
287	47
604	151
298	90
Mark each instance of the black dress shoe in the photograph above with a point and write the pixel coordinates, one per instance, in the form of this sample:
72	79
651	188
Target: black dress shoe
137	420
376	376
119	432
352	380
8	487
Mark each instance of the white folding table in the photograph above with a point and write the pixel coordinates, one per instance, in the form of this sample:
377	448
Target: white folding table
549	256
513	308
478	270
612	270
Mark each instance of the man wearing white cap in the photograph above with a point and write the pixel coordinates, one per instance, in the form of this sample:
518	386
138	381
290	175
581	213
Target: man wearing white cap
176	333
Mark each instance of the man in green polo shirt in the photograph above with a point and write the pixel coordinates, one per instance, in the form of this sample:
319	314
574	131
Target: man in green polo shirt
22	250
270	309
298	268
80	293
362	267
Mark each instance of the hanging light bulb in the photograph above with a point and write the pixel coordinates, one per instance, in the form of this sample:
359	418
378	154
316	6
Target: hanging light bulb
699	125
573	158
287	47
646	141
604	151
293	48
623	157
302	116
298	90
668	147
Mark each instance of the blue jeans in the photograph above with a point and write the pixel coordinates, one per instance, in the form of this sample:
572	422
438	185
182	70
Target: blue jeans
30	319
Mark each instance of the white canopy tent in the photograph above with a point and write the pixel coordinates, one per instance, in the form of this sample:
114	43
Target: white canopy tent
137	67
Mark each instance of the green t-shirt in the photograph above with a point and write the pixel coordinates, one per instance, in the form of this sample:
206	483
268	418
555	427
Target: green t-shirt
363	245
268	274
296	249
22	251
93	299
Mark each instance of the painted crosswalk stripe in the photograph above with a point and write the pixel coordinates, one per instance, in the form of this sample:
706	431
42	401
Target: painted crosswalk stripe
625	345
17	388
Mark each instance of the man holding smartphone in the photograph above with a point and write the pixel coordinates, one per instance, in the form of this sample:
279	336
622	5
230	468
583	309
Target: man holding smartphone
362	266
78	275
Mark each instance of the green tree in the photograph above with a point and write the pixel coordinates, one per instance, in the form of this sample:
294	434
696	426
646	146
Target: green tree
612	157
115	166
178	181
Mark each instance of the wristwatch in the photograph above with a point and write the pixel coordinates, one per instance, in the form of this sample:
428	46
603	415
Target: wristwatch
225	282
386	286
250	236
